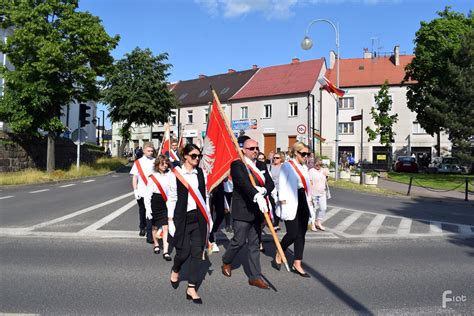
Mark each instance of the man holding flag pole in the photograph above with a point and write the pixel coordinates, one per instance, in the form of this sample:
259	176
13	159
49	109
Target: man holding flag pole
220	150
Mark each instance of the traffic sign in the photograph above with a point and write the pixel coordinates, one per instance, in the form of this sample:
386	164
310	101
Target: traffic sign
75	136
301	129
356	117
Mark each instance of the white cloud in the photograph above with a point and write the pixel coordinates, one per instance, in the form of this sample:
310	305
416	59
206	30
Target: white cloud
271	9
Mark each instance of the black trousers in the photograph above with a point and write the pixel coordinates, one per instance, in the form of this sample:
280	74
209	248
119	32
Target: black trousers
144	223
246	232
296	228
218	206
191	247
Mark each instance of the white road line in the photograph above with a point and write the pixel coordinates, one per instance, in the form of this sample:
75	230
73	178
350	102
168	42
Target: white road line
67	185
348	221
44	190
6	197
87	181
331	213
404	227
435	228
108	218
114	176
465	230
374	225
77	213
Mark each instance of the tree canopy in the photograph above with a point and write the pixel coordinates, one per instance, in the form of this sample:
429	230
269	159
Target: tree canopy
57	53
136	90
443	71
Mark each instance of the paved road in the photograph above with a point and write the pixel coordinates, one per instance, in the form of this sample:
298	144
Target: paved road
123	276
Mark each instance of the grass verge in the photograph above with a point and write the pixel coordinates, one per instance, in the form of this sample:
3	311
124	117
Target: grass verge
33	176
361	188
434	180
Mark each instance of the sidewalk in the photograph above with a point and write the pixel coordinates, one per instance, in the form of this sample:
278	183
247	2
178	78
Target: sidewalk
417	191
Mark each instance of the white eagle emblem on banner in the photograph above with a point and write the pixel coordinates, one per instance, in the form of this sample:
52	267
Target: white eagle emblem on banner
208	153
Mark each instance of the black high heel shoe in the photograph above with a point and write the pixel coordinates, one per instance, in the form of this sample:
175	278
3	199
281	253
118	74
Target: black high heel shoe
276	265
166	256
189	297
174	284
304	275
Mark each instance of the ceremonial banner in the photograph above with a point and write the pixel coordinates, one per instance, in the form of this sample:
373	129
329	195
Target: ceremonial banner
330	87
219	149
165	143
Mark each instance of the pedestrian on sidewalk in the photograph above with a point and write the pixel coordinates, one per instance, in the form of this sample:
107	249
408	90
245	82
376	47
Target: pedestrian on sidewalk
318	177
295	204
141	169
155	203
188	219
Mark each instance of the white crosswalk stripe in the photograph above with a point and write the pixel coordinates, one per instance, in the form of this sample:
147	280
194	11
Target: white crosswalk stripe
374	225
348	221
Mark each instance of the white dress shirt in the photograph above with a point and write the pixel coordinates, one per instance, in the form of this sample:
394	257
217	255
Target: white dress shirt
147	165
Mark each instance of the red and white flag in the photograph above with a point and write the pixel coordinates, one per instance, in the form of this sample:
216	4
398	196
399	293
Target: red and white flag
219	148
330	87
166	142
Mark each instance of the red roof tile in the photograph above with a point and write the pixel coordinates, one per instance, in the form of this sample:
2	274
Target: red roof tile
298	77
357	72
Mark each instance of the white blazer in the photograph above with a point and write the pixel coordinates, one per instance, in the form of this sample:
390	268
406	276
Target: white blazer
289	190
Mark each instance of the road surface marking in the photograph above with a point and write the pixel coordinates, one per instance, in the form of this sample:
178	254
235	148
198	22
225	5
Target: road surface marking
108	218
67	185
348	221
404	227
87	181
6	197
331	213
374	225
465	230
115	176
77	213
44	190
435	228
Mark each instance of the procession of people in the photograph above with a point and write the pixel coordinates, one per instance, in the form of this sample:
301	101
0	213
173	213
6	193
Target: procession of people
176	209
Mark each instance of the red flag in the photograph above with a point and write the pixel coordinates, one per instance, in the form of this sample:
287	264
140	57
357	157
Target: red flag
330	87
219	148
165	144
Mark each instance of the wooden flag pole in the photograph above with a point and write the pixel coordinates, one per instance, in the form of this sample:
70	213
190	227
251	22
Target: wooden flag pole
267	217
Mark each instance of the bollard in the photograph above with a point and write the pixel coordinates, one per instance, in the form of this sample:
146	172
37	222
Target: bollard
409	186
467	189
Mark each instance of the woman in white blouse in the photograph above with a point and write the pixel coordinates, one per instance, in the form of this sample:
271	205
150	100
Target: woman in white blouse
155	202
295	203
318	177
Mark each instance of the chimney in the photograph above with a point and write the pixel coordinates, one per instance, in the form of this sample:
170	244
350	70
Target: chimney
396	55
295	60
254	66
367	54
202	76
230	70
332	59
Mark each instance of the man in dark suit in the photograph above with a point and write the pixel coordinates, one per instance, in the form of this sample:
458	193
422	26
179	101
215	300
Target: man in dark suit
248	204
174	156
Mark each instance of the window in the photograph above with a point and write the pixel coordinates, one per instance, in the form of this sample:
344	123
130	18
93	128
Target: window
346	128
206	116
346	103
267	111
293	109
190	117
173	119
417	129
244	112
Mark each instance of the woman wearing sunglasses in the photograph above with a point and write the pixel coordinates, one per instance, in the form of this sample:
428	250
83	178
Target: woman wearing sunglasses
155	202
295	203
275	167
188	218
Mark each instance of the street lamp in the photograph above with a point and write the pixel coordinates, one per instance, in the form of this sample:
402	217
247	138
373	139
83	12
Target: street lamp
306	44
97	120
103	126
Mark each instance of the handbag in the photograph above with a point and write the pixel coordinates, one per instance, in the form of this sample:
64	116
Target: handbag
328	193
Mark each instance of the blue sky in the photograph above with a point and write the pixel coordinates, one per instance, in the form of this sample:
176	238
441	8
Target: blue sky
210	36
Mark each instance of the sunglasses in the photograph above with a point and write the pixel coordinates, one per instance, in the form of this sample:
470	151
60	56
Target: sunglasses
252	148
194	156
303	154
276	158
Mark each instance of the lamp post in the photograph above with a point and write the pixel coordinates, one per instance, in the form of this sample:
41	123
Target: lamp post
103	126
97	120
306	44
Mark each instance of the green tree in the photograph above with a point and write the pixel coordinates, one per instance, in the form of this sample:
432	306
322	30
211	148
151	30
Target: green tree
57	53
136	91
433	96
383	121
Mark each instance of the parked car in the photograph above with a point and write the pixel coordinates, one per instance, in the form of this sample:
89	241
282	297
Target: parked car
406	164
446	165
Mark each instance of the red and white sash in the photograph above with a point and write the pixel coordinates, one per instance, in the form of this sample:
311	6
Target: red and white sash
197	197
140	171
261	181
300	176
160	188
173	155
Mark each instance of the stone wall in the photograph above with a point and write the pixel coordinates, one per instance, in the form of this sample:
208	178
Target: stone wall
18	153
